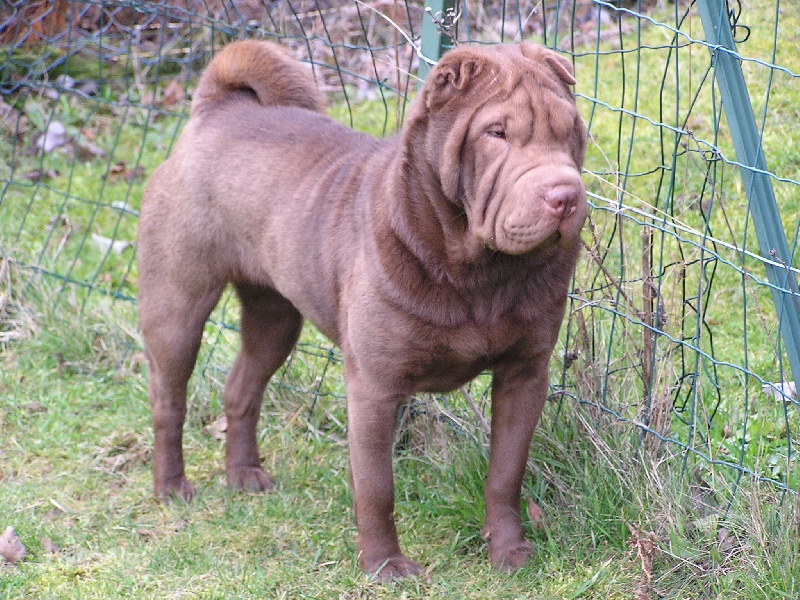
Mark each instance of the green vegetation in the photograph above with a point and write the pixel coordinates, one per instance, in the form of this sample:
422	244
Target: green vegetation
627	515
671	190
75	476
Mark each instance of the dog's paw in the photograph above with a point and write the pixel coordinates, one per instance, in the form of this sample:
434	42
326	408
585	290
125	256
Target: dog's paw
179	488
249	479
396	567
510	557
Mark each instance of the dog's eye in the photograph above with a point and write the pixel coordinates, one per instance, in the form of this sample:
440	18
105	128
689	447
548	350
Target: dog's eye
496	131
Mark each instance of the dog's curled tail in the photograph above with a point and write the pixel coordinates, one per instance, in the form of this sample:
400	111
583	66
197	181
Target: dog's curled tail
263	68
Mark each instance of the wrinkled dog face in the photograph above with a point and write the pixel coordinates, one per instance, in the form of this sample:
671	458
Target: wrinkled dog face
509	144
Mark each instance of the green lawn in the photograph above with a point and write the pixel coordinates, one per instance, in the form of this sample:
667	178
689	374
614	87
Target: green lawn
75	476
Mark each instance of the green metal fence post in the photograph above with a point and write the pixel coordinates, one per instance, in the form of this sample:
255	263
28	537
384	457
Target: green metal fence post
434	41
756	179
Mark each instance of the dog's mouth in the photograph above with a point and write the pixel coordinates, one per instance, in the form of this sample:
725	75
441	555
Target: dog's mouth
516	208
546	218
517	245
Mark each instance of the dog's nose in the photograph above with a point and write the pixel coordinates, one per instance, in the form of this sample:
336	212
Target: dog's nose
562	199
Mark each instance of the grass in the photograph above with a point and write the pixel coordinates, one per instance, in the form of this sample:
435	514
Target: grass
75	473
628	516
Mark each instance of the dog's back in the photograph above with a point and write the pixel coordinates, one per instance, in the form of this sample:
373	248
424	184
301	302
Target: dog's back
261	68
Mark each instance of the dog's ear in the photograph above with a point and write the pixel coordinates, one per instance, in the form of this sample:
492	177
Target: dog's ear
454	73
557	63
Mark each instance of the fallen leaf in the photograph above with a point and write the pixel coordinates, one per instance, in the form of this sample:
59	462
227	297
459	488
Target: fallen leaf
147	533
87	87
54	513
147	98
117	171
65	81
536	515
217	429
725	539
138	360
86	150
785	390
136	174
54	136
49	546
173	94
8	116
23	126
88	134
11	549
121	451
39	175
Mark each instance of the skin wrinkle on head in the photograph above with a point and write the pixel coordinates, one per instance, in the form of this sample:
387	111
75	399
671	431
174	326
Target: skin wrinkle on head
490	196
544	82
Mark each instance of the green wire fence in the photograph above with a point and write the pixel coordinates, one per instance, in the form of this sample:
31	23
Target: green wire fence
683	325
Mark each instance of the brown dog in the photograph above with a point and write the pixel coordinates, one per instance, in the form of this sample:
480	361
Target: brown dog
427	258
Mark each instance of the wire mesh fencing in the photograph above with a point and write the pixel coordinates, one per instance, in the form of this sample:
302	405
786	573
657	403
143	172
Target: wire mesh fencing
673	332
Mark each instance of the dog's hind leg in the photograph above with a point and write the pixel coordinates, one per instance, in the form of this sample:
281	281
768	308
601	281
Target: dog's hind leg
270	327
172	321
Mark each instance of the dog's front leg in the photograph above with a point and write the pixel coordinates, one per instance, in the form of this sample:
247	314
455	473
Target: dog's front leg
371	414
519	391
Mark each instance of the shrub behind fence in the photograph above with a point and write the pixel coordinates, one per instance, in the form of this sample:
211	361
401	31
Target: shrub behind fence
671	333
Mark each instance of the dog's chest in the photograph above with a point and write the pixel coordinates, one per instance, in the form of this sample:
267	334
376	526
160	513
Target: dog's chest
446	358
